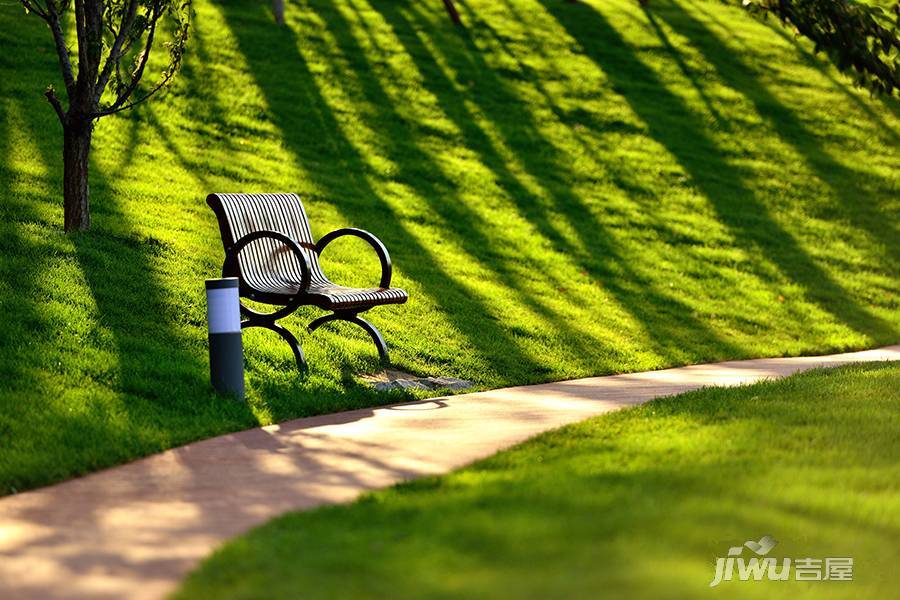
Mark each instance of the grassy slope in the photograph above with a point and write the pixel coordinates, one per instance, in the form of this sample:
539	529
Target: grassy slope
633	504
566	189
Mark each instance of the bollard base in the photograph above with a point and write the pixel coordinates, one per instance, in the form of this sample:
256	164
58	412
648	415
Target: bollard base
226	363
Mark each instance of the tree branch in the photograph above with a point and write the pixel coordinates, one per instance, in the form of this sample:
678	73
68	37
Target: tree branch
113	109
80	34
89	70
33	7
116	52
62	52
123	97
50	93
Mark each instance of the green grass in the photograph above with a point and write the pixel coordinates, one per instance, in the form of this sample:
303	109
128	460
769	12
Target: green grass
637	503
566	190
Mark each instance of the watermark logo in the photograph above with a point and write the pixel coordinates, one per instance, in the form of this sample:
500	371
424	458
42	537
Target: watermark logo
803	569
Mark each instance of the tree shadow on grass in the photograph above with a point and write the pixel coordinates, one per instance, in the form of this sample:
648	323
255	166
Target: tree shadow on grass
850	187
25	330
440	191
686	71
667	323
198	97
682	133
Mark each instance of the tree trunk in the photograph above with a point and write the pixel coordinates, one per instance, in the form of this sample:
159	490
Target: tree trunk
451	10
76	148
278	11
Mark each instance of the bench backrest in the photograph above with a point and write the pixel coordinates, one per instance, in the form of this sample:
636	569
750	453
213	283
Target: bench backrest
266	261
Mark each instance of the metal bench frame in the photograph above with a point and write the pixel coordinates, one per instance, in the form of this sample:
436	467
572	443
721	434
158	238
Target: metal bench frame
252	318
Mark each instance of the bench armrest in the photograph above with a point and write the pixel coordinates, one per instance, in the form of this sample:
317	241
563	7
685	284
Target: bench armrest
380	250
230	268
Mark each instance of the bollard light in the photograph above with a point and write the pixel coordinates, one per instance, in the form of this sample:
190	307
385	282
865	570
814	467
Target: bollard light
226	352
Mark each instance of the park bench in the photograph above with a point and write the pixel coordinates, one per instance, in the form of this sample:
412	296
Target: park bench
270	249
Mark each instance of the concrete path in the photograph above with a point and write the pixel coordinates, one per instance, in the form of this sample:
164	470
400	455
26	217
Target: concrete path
134	531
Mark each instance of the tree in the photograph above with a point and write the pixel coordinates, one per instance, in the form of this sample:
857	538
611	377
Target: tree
861	39
111	35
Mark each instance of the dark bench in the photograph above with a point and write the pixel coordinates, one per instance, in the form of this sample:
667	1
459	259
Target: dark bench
270	249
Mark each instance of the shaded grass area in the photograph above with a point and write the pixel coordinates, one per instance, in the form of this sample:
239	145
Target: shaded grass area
637	503
566	190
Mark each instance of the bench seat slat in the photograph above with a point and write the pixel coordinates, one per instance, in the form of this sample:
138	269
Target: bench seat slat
268	270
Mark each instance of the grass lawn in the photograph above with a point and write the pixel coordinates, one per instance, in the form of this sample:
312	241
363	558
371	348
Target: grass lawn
637	503
566	190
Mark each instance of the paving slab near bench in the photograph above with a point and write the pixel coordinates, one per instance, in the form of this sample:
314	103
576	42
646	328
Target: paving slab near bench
390	379
135	530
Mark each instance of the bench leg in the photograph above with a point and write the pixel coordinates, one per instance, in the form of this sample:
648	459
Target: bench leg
355	318
253	318
286	335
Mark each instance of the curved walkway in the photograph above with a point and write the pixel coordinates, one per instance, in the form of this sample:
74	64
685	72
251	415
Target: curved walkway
133	531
